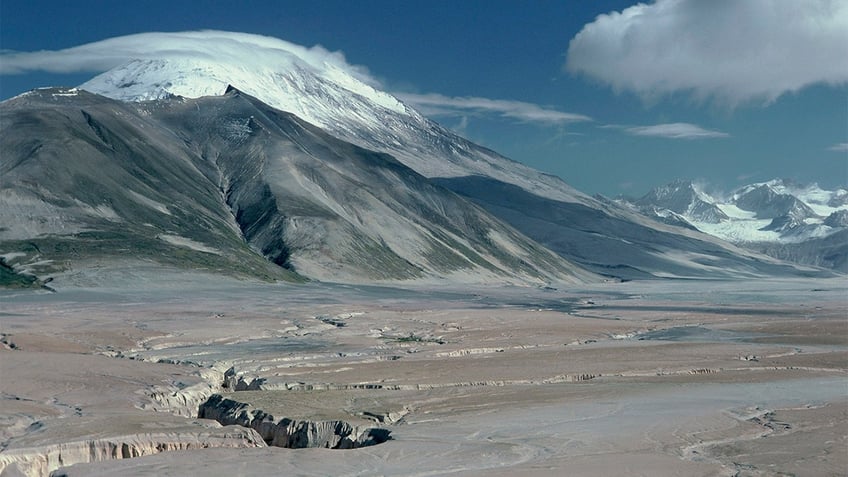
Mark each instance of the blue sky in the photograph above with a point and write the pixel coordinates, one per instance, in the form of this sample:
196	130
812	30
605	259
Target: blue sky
728	92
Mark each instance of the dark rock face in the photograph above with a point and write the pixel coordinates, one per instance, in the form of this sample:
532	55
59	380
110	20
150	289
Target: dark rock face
768	204
292	433
837	219
786	223
839	199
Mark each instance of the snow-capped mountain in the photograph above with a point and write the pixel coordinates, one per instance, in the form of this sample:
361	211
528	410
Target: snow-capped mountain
788	213
683	199
776	216
333	99
229	184
376	183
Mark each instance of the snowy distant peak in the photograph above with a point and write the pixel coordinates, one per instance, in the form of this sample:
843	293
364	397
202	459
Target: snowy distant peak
811	194
767	203
683	198
837	219
776	211
820	199
838	198
676	190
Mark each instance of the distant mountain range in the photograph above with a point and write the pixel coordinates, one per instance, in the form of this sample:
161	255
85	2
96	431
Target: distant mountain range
301	171
801	223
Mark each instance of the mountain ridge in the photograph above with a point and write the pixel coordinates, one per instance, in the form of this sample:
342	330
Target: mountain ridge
777	217
411	160
269	181
341	105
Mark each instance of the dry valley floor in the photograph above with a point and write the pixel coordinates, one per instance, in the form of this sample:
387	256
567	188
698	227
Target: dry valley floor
207	377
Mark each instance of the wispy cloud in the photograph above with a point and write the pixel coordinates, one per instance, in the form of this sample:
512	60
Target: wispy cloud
222	46
674	131
841	147
440	105
730	51
243	48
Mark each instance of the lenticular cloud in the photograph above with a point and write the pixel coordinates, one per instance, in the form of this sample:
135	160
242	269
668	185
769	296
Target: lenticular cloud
220	46
675	131
725	50
440	105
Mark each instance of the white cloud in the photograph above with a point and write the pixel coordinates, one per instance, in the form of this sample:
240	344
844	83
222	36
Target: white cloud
675	131
231	48
727	50
841	147
462	127
440	105
206	44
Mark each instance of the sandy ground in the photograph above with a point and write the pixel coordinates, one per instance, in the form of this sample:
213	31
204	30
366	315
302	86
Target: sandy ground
639	378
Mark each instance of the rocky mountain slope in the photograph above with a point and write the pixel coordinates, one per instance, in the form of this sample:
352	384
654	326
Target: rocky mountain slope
800	223
348	184
340	103
681	199
229	184
88	180
333	99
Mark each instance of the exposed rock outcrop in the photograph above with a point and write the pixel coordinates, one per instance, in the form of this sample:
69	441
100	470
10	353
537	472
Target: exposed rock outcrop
264	385
185	401
41	461
292	433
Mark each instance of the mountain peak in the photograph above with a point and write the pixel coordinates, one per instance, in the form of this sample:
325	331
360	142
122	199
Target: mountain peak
768	203
683	197
322	89
782	217
288	83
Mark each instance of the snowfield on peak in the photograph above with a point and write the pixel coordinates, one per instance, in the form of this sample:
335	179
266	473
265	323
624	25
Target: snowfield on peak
293	85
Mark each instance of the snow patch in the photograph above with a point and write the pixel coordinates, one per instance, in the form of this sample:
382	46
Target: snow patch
66	92
506	244
9	256
147	201
187	243
103	211
734	212
740	230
